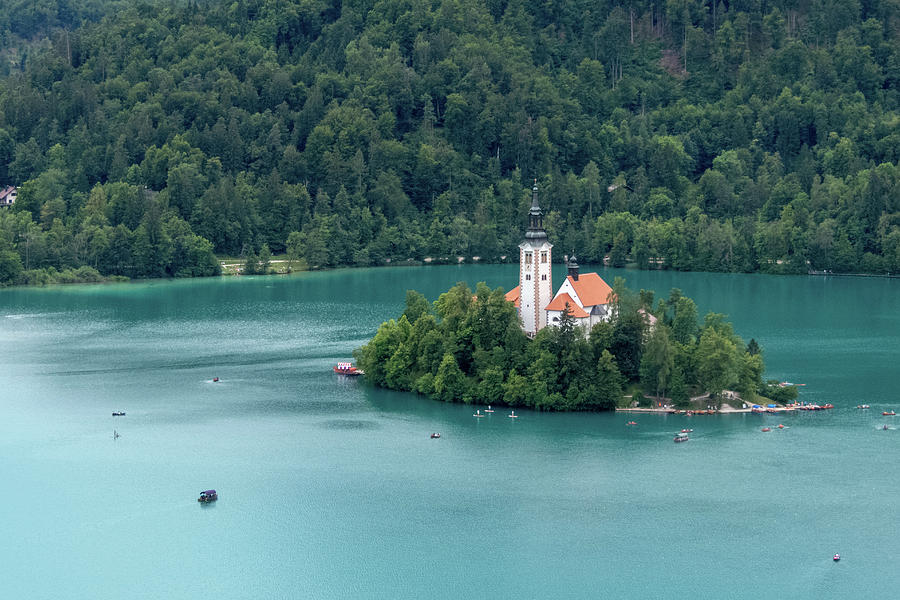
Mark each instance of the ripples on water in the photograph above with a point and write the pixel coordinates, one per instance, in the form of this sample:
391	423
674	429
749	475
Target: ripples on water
331	489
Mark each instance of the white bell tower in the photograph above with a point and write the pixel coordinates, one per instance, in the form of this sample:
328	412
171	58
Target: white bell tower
535	282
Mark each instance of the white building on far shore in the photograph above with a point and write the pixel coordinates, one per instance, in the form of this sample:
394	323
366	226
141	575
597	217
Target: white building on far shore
8	195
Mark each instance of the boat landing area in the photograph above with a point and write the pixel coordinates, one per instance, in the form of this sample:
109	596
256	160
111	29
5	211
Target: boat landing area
727	409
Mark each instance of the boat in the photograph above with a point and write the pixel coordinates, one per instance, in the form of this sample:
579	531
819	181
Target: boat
345	368
119	414
766	429
862	406
681	437
836	557
888	413
477	414
215	379
513	415
435	436
489	409
687	431
780	426
631	423
208	496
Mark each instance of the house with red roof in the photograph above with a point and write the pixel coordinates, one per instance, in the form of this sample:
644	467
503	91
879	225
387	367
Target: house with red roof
8	195
587	296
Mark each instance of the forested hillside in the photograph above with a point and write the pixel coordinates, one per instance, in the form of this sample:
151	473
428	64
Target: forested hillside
685	134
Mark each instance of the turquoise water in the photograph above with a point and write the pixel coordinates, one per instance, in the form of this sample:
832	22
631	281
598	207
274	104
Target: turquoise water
329	489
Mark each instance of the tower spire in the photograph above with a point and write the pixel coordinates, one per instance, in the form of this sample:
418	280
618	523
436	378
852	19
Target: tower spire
535	218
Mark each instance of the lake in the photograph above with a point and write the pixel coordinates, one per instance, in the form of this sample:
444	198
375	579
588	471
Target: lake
331	489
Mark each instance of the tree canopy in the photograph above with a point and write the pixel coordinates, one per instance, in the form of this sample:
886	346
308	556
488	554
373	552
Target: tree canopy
691	134
471	348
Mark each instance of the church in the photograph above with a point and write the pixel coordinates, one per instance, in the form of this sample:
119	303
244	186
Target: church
587	295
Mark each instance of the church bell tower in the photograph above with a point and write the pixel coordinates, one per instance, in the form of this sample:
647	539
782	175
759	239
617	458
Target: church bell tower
535	282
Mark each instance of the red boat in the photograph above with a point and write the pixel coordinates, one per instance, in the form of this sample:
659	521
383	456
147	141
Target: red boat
889	414
345	368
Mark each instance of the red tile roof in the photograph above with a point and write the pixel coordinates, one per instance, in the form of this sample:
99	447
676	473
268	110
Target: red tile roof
513	296
559	303
591	289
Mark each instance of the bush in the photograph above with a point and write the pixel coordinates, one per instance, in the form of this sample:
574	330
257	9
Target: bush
778	394
641	400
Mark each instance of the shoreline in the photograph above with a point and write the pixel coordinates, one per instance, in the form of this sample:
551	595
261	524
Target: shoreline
725	409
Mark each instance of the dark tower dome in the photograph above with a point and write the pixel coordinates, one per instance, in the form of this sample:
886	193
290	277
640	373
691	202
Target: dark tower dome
535	218
572	265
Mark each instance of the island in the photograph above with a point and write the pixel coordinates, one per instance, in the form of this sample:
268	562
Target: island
588	346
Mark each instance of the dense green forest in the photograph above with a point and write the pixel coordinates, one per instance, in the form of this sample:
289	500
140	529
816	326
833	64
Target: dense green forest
743	135
471	348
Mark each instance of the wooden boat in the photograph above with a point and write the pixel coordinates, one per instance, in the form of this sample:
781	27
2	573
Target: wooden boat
435	436
208	496
345	368
119	414
888	414
766	429
681	437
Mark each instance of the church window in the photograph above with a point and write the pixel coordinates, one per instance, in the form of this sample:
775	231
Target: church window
528	258
527	277
543	278
543	257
